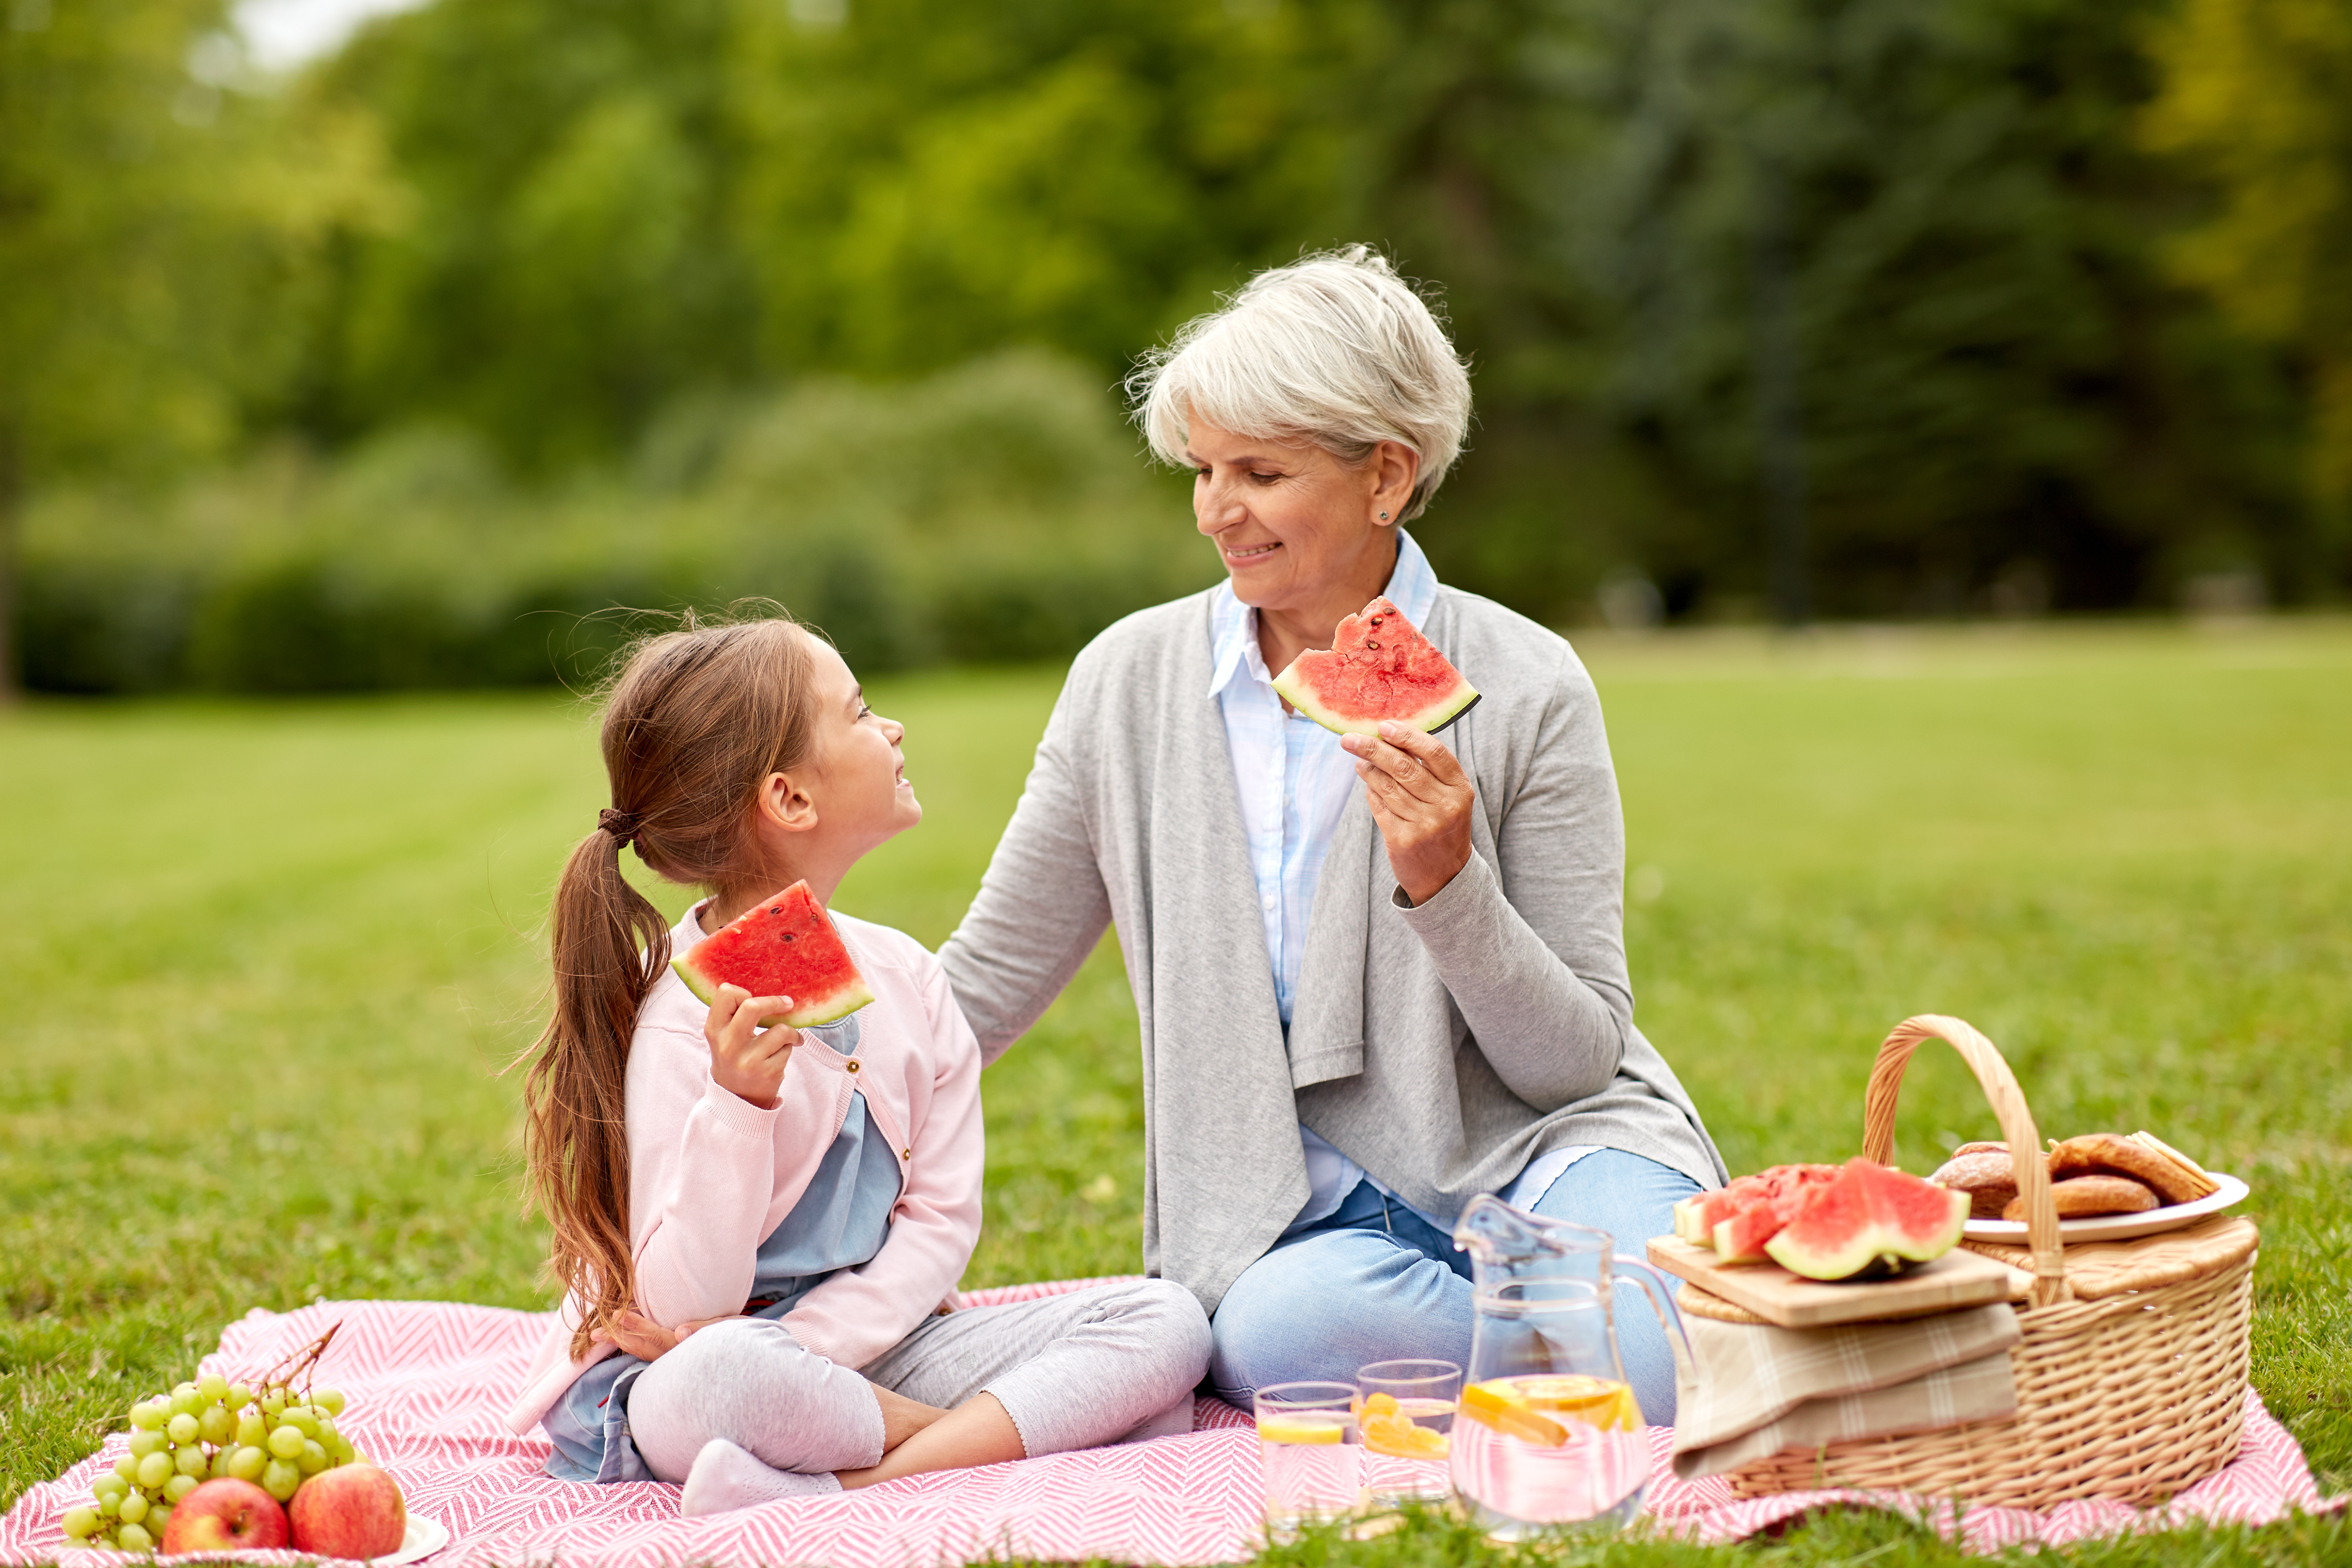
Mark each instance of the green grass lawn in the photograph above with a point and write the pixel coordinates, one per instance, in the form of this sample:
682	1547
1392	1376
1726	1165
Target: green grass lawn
263	965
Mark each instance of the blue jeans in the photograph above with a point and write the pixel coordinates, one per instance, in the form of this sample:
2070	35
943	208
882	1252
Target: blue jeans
1375	1281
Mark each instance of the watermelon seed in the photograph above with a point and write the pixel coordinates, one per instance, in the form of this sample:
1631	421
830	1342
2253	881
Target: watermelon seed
788	936
1372	642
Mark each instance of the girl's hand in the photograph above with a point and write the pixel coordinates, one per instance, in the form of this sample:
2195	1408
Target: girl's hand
647	1339
1421	799
746	1060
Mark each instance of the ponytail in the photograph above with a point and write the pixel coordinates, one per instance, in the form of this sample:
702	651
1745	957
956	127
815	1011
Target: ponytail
695	722
610	946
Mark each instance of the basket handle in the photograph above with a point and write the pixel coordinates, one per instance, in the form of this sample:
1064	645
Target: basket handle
2009	1107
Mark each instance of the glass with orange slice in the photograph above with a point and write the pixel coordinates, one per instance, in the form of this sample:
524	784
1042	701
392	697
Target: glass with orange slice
1404	1410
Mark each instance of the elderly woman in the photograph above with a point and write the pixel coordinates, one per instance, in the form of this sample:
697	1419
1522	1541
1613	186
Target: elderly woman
1375	976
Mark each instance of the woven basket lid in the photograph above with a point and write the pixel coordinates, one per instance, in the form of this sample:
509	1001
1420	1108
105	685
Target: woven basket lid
2101	1268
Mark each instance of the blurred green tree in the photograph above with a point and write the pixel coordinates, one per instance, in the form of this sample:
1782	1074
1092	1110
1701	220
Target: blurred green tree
2257	95
1927	223
156	223
1881	280
560	267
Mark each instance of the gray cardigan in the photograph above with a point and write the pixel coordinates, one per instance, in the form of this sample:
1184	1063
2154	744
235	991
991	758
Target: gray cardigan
1440	1047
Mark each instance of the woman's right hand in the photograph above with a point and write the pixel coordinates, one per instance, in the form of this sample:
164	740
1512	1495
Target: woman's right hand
745	1059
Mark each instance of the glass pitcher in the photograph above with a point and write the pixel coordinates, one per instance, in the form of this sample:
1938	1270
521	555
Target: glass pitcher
1549	1433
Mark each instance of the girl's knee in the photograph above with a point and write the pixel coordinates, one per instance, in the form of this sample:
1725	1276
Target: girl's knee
1175	1312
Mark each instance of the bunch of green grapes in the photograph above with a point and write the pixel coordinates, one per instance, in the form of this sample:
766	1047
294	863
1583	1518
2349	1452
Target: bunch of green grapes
275	1439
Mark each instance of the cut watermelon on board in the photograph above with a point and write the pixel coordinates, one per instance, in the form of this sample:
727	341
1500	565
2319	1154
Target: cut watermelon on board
1378	669
1873	1220
781	946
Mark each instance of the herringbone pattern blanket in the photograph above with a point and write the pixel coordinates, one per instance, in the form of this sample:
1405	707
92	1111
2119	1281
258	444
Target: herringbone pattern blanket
427	1380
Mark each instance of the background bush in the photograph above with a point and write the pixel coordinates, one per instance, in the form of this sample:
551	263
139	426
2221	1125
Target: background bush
992	513
1902	308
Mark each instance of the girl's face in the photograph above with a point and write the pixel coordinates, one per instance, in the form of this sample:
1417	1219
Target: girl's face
856	775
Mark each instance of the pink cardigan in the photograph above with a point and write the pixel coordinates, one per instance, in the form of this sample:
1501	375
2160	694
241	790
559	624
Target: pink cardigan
711	1174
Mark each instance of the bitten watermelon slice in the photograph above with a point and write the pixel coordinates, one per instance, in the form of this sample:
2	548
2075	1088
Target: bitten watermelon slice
1872	1220
1378	669
781	946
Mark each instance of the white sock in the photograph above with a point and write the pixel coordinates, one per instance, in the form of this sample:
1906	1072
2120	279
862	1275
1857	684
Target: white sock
726	1478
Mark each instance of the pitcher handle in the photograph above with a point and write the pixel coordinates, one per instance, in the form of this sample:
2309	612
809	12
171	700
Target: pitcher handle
1653	1282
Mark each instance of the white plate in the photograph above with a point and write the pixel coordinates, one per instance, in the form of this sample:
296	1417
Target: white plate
425	1537
2116	1226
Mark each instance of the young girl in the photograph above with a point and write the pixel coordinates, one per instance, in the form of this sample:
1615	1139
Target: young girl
760	1232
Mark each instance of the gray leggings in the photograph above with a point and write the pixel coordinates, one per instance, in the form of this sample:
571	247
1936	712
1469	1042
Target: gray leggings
1072	1371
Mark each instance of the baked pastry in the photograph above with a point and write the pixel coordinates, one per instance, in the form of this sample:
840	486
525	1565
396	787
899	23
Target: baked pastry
2202	1175
2080	1197
2113	1154
1979	1148
1987	1176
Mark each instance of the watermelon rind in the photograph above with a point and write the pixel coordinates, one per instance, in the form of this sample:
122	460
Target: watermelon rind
808	1012
843	993
1870	1221
1428	720
1298	689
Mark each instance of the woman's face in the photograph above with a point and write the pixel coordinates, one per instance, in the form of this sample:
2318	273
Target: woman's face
1294	524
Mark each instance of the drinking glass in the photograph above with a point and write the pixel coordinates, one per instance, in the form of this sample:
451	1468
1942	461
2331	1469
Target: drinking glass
1404	1413
1314	1466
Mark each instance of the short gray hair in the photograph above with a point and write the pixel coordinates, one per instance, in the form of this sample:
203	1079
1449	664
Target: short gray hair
1333	351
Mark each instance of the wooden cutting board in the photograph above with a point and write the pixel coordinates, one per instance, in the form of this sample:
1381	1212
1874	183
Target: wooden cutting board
1958	1279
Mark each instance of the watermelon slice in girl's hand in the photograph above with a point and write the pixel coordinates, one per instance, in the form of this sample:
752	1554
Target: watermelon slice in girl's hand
1378	669
781	946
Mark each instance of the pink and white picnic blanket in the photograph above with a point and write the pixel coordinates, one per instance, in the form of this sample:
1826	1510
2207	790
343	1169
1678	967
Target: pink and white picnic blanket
427	1381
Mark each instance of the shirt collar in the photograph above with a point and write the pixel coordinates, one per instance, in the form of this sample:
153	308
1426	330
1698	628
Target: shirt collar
1233	626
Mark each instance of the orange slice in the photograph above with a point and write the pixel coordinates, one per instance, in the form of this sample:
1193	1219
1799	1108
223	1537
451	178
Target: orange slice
1426	1443
1400	1438
1380	1405
1497	1405
1600	1402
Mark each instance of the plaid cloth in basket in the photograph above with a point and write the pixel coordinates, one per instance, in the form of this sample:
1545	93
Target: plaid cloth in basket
1756	1389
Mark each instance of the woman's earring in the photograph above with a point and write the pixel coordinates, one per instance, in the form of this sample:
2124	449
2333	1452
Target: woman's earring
1384	517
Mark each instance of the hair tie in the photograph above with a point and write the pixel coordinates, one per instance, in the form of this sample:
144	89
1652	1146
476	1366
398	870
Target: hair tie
622	825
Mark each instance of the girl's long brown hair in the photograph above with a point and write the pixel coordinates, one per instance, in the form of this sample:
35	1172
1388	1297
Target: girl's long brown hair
694	723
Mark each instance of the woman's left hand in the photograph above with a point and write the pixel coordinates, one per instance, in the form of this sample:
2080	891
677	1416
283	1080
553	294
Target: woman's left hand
1422	800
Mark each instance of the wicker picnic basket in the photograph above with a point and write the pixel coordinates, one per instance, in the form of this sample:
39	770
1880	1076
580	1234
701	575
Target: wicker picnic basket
2131	1379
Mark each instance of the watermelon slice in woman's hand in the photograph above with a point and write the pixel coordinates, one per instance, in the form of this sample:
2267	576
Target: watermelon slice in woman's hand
782	946
1379	668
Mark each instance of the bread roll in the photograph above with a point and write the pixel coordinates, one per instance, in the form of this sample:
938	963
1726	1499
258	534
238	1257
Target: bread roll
2113	1154
1988	1177
2081	1198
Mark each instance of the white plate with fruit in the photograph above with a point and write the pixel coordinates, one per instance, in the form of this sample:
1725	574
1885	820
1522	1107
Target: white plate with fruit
215	1466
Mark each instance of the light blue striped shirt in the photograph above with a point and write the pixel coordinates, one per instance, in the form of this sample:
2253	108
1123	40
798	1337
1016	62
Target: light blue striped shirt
1294	781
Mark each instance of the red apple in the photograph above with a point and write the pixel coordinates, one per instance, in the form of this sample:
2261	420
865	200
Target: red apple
353	1510
225	1515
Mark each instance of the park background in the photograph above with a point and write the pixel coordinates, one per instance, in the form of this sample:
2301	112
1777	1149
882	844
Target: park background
1999	353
